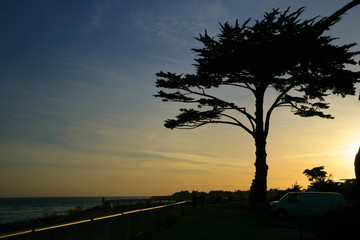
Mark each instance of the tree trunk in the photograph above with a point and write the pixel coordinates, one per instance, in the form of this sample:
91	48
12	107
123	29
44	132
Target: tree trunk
259	184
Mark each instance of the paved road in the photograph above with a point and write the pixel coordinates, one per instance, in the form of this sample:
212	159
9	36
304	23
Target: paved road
215	223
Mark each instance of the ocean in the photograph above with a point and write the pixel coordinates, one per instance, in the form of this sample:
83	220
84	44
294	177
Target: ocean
19	209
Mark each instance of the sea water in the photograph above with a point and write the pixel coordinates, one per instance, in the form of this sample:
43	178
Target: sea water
19	209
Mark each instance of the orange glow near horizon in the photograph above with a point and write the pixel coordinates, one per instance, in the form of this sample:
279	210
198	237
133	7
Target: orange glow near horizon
78	116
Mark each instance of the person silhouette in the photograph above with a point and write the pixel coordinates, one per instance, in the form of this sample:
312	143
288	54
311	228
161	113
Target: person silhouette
194	200
202	200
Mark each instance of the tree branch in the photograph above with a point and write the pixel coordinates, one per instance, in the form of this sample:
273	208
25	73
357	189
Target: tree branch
240	124
333	18
246	86
229	104
193	126
273	106
189	127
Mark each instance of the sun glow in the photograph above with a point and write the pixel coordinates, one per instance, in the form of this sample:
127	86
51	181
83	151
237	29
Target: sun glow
353	148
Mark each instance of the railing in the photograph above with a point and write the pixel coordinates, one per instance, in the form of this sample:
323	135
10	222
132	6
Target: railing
35	230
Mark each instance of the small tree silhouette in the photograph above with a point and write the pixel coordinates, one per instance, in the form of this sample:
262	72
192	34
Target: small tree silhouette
280	52
317	175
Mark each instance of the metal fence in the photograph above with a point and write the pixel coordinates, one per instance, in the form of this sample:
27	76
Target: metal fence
93	226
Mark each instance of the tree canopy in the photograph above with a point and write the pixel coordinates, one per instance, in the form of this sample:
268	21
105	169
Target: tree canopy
316	175
320	180
281	52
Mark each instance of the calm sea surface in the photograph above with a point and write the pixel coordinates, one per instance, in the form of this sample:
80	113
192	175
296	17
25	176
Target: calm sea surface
17	209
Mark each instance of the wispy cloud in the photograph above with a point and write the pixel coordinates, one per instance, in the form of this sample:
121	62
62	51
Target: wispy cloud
177	24
95	19
199	160
315	155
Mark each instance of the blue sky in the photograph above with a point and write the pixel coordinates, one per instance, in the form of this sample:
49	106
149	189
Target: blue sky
77	116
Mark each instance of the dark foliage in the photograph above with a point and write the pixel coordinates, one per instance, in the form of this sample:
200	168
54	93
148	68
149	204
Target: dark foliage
321	181
210	196
339	224
281	52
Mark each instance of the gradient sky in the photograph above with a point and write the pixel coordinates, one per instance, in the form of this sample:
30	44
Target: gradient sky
77	115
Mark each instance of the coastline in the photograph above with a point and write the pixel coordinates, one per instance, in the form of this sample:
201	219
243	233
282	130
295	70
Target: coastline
25	208
126	223
77	213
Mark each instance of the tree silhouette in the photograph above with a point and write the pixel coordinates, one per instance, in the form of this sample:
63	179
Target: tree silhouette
357	166
316	175
281	52
320	180
357	175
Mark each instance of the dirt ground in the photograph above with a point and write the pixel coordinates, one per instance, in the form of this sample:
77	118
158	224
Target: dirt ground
216	223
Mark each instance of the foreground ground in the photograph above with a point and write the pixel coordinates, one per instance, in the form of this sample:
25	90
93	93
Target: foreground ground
219	223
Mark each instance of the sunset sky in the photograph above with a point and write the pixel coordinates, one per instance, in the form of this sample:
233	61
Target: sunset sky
78	116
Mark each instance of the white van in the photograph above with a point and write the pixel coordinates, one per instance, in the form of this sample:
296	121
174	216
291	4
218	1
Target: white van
306	203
